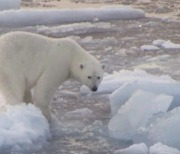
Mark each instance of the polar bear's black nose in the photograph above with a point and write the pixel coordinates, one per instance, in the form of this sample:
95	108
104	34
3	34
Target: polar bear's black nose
94	88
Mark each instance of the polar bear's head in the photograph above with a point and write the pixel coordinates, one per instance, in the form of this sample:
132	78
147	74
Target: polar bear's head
90	74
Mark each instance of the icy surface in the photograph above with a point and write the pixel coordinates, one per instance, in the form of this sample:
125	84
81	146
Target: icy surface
22	18
134	149
22	128
159	148
9	4
136	112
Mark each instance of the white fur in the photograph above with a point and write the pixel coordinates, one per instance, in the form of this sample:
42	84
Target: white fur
29	60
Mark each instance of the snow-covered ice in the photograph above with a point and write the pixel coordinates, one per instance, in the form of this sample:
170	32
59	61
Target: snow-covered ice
20	18
159	148
136	112
22	128
9	4
140	148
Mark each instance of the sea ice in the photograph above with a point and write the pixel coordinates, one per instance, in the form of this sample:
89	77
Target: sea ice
136	112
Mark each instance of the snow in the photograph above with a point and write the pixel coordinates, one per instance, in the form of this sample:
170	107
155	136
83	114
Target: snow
136	112
9	4
22	128
20	18
159	148
140	148
149	48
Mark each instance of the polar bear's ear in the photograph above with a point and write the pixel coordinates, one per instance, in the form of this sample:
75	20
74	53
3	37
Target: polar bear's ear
103	66
81	66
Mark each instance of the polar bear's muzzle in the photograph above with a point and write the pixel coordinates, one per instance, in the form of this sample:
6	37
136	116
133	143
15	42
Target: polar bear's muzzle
94	88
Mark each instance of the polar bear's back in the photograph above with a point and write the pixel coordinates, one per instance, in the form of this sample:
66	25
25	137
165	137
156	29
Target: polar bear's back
24	52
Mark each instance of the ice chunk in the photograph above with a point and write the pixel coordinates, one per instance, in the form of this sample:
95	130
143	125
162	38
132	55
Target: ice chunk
136	112
166	129
33	17
170	45
22	126
9	4
120	96
166	44
133	81
159	148
158	42
149	48
134	149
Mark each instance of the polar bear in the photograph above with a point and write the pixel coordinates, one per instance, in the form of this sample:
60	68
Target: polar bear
30	60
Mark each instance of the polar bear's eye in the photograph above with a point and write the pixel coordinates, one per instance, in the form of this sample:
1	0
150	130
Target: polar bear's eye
89	77
98	77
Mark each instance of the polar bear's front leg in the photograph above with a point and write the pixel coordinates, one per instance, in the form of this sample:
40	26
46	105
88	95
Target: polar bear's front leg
43	93
28	97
